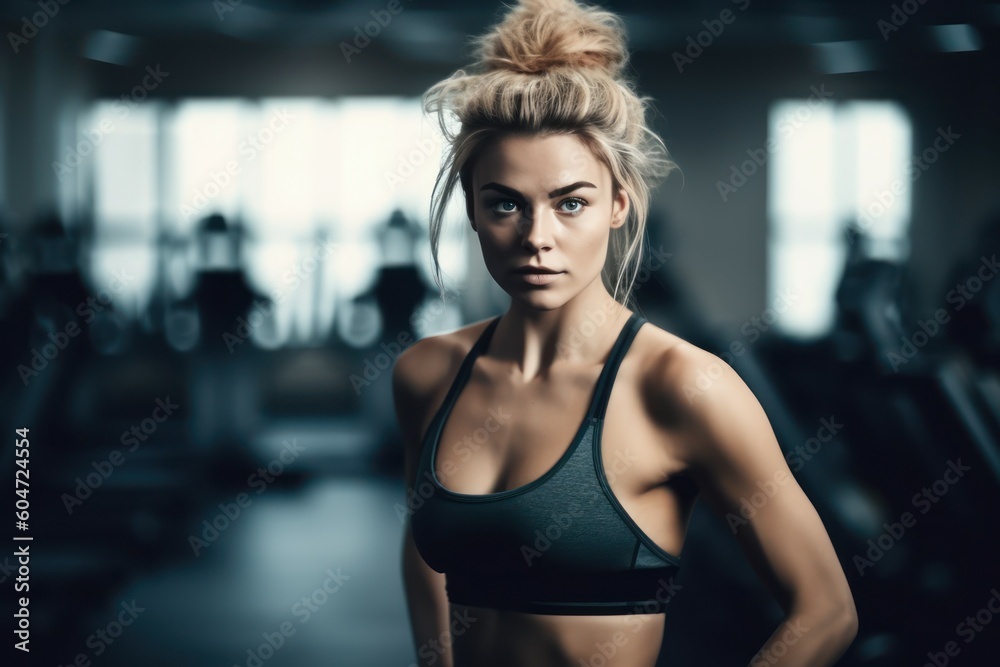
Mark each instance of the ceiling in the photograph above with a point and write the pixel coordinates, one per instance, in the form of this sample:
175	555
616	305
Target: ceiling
301	46
652	25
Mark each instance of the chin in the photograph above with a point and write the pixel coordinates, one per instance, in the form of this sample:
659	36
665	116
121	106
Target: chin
539	299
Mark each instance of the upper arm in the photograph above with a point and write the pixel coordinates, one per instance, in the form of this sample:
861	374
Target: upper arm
407	396
416	378
417	375
738	466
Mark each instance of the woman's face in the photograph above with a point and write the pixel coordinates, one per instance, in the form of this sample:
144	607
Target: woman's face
544	202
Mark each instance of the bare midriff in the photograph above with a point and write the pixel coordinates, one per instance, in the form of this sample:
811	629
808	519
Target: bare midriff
495	638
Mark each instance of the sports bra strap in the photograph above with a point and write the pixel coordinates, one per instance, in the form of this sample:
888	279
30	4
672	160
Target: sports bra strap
466	368
602	392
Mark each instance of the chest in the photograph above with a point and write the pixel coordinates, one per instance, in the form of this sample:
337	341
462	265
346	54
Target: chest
501	435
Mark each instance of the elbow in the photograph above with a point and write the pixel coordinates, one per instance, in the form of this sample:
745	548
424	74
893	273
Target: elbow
849	622
842	622
844	629
838	622
847	613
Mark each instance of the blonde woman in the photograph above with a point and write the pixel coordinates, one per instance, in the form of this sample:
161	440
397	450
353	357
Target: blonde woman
554	453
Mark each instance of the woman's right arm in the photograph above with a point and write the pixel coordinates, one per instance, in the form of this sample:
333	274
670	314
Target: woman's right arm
427	601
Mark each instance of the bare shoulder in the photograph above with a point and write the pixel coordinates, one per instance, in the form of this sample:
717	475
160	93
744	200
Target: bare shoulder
692	392
674	368
423	366
422	374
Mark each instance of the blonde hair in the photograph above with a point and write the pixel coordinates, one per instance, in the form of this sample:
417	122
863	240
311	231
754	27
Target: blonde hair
553	67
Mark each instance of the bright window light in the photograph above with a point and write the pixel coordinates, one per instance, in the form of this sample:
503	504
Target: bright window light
311	181
124	165
204	141
832	166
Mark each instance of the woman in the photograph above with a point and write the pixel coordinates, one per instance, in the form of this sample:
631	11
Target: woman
519	549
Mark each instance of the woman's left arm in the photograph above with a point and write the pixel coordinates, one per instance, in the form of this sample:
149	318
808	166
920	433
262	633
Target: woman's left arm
735	459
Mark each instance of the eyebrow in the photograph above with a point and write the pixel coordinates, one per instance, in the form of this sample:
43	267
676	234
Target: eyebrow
558	192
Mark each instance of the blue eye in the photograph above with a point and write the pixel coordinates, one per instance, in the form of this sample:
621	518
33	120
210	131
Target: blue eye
505	201
579	202
510	206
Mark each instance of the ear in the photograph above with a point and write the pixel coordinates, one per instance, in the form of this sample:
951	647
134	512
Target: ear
620	205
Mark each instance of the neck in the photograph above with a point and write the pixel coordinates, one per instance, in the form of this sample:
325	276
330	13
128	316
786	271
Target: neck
535	341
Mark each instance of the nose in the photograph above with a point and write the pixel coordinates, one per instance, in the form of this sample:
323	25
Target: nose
535	227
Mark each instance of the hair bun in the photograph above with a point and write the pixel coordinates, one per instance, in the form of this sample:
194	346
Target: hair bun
538	35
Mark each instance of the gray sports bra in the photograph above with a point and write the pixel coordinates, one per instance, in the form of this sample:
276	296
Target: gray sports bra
561	544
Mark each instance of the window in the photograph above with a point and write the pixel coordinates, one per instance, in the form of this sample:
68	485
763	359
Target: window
306	178
833	165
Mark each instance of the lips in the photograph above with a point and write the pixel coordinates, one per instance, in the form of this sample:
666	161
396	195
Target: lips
539	278
536	270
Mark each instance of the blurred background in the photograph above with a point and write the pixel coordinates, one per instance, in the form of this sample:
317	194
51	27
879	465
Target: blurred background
213	246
